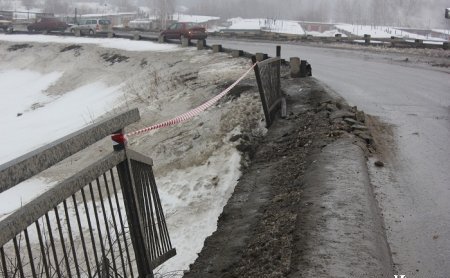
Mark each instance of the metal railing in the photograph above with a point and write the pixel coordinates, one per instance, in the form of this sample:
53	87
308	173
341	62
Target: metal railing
104	221
267	74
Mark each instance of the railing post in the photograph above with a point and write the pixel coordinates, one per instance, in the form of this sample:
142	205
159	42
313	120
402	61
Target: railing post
261	93
367	38
105	268
295	63
131	201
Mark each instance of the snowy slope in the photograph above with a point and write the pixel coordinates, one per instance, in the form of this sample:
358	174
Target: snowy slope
49	91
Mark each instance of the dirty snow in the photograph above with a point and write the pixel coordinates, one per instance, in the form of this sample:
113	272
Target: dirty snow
196	166
186	193
116	43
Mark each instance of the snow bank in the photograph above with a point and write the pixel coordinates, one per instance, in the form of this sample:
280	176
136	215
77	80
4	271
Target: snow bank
193	18
196	165
122	44
328	34
269	25
34	119
193	200
381	32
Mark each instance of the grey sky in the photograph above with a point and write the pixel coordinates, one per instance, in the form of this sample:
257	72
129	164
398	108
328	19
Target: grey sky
413	13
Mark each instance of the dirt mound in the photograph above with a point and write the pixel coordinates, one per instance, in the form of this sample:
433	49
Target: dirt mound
256	234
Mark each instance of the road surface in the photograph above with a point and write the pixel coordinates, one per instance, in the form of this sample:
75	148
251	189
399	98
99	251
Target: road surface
412	100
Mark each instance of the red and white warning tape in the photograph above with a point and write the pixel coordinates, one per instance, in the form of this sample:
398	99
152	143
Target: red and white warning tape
122	138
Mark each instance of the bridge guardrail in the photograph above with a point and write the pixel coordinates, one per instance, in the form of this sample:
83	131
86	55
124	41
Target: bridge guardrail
105	220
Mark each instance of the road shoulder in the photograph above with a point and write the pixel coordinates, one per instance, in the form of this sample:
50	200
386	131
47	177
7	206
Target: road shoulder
304	207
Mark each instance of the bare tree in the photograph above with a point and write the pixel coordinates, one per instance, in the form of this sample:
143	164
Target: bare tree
56	6
164	10
28	4
5	5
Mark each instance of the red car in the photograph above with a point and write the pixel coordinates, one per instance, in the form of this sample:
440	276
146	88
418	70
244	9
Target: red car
187	30
48	24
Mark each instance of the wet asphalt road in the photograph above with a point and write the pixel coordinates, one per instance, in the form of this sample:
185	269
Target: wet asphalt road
414	188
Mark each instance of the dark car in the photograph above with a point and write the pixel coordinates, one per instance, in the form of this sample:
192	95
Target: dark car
5	24
180	30
48	24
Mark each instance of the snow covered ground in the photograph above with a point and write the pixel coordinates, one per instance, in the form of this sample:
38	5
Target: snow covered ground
329	33
268	25
295	28
52	86
381	32
193	18
22	104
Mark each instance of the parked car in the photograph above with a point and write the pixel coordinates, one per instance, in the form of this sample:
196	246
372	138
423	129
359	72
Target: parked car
5	24
92	26
48	24
181	30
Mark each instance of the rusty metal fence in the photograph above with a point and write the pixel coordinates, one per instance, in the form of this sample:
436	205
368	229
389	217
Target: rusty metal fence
267	74
104	221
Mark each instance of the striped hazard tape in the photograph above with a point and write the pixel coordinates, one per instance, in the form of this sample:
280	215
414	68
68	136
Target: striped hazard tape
122	138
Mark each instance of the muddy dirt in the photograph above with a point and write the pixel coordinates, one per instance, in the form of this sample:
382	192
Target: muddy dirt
256	234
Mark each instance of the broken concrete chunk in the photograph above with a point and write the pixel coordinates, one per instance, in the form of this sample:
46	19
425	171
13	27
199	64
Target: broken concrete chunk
360	116
359	127
351	121
365	136
342	114
331	107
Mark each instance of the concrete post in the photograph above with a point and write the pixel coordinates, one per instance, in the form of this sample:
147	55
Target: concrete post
394	39
217	48
367	39
338	37
418	43
136	37
161	39
201	44
110	35
295	67
446	46
303	70
261	57
77	33
236	53
184	42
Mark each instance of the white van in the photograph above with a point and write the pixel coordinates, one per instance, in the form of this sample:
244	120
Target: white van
92	26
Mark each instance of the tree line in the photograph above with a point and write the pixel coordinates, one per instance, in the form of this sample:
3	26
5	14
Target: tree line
405	13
